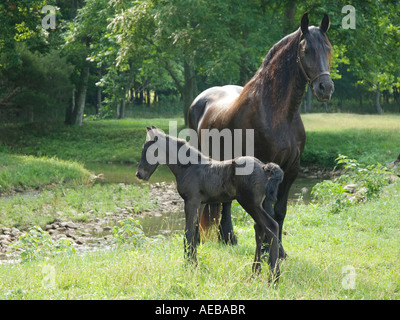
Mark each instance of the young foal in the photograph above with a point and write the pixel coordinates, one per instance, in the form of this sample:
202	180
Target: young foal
203	181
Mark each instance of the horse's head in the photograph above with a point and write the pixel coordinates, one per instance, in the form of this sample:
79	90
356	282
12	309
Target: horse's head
148	163
314	58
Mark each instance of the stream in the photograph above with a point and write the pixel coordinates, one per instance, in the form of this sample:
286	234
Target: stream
173	221
169	218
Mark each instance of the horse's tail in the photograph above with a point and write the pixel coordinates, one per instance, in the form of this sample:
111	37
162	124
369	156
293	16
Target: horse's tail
275	177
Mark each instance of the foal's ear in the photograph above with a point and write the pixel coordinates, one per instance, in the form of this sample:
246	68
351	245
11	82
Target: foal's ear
325	23
304	23
153	127
148	129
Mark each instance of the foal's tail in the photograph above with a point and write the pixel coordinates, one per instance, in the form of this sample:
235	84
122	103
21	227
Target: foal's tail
275	175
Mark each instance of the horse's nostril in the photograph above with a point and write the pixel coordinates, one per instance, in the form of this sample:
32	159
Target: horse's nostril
322	87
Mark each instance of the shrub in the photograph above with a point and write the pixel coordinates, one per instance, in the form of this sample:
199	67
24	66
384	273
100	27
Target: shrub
37	244
366	181
129	232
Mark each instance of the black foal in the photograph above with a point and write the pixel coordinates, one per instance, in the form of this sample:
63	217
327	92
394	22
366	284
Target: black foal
202	181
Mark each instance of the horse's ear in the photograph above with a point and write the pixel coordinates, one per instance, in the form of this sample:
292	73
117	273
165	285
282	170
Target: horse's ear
153	127
325	23
148	129
304	23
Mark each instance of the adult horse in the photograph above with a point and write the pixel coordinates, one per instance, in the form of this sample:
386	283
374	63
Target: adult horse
269	103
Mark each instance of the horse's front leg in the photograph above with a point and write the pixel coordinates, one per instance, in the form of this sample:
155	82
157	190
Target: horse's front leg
226	228
278	212
192	234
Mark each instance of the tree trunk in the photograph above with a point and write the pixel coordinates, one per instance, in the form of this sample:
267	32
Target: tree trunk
189	89
98	104
290	12
121	109
70	109
378	107
77	115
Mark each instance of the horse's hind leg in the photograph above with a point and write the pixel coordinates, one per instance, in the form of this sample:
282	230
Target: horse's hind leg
226	228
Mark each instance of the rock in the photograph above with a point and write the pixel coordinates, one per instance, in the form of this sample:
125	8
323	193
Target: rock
53	232
85	234
71	225
6	230
107	228
351	188
98	229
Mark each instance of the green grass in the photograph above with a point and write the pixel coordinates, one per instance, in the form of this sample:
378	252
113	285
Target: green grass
26	172
366	138
74	203
319	245
95	141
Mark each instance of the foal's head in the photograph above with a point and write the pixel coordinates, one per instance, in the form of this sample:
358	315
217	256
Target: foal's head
314	58
147	165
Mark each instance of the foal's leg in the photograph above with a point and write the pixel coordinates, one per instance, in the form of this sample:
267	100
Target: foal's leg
259	234
192	235
264	224
226	228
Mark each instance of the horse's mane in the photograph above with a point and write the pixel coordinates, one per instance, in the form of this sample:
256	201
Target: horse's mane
278	65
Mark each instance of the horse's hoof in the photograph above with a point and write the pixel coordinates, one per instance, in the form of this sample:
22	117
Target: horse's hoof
282	254
230	239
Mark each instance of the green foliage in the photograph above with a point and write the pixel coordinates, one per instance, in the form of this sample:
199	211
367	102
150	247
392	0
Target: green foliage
130	232
37	244
370	178
37	87
358	183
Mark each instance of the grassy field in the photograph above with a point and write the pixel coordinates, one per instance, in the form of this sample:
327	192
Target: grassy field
321	248
367	138
328	242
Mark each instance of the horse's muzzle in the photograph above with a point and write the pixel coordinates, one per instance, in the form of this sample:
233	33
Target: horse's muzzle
323	89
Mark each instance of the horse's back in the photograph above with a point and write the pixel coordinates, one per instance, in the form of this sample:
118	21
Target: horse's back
215	97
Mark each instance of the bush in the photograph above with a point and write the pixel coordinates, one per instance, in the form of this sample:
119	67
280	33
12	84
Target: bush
358	183
37	244
130	232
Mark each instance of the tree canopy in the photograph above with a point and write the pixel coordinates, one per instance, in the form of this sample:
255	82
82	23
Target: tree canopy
105	55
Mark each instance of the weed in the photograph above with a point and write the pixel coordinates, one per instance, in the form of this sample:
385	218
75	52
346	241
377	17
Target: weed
37	244
129	232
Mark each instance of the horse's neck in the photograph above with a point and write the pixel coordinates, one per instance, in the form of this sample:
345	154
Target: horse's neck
283	86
